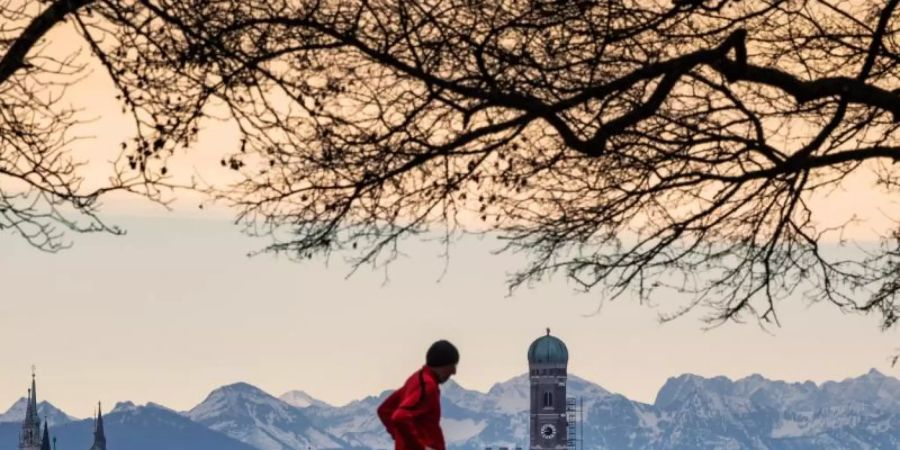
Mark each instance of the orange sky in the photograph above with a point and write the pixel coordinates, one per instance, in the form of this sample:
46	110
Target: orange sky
174	309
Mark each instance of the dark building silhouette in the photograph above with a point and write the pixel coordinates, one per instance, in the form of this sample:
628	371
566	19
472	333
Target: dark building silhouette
31	438
45	440
99	436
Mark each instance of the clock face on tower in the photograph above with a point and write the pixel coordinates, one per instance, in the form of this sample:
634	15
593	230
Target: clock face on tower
548	431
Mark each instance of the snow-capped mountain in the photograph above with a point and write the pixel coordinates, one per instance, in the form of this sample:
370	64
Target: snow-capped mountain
692	412
301	399
689	412
132	427
248	414
123	407
355	423
46	411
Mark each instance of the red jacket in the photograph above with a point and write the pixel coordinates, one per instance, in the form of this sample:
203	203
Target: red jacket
412	414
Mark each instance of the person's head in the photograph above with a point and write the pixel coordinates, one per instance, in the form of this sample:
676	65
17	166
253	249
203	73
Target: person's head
442	358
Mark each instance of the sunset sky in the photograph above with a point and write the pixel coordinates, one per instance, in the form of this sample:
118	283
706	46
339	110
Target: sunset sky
175	309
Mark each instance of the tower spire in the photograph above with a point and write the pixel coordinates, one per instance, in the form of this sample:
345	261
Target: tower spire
45	440
99	436
33	384
30	436
33	397
29	406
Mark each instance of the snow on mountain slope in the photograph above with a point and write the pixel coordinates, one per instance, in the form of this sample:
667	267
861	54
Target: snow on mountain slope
300	399
690	412
16	413
252	416
131	427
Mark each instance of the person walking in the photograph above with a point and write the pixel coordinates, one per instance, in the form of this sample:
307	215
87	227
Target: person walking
412	414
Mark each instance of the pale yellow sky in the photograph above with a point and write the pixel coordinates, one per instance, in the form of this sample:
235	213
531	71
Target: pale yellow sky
174	310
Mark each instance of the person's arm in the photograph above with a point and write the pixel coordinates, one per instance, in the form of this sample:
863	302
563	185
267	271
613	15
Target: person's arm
411	408
387	409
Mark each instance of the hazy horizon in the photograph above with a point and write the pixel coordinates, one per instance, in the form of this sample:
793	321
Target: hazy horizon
174	309
110	407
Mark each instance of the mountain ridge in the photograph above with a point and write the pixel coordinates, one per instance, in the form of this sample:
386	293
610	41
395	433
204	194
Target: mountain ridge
689	412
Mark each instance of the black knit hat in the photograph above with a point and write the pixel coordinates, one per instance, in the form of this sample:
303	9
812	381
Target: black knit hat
441	353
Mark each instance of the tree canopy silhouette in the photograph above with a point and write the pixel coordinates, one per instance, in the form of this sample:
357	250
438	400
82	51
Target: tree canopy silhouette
636	146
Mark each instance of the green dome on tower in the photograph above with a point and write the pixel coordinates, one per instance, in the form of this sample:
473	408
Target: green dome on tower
548	350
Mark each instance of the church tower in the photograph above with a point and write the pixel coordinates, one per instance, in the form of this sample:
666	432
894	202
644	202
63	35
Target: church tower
99	436
30	436
548	358
45	441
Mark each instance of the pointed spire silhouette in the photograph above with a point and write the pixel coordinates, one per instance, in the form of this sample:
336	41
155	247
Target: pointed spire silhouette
31	412
45	440
29	408
30	436
99	436
33	398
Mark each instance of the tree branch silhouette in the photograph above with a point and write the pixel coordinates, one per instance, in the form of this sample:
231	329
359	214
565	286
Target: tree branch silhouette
656	149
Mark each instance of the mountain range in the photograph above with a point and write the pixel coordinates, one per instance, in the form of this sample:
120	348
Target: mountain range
690	412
